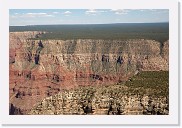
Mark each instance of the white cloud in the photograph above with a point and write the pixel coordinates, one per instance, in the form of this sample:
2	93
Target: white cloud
67	12
94	12
37	15
113	10
31	15
120	11
55	12
90	11
102	11
49	16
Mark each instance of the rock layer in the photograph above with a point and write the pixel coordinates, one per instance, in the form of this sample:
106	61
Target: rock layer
40	69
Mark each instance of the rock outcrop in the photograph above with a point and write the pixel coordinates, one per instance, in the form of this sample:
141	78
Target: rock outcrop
39	69
101	101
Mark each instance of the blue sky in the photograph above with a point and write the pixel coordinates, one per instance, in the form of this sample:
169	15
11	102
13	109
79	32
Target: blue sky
21	17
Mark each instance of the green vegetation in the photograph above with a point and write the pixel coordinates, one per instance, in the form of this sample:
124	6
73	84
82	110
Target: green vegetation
121	31
150	82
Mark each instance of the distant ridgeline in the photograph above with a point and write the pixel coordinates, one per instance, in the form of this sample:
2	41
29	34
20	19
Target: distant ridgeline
123	31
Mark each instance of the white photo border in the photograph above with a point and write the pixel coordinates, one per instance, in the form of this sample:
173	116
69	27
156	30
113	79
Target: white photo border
171	119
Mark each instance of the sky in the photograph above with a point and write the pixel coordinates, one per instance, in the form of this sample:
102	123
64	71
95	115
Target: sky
22	17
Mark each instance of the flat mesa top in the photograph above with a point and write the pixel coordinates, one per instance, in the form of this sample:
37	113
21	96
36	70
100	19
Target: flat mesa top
122	31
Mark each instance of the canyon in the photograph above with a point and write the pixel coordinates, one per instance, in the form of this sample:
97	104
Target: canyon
42	72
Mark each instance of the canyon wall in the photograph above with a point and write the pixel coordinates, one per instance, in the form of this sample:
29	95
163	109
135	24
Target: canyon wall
40	69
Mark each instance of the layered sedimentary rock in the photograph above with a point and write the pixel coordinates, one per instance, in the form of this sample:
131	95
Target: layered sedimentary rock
16	41
40	69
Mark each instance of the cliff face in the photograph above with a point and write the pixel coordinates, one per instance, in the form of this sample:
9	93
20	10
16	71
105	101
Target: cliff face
39	69
16	40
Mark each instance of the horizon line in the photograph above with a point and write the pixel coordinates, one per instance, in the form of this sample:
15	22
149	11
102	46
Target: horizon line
89	24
